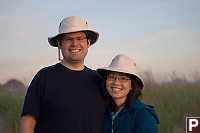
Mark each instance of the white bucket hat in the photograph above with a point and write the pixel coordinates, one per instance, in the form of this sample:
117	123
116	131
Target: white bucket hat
74	24
122	64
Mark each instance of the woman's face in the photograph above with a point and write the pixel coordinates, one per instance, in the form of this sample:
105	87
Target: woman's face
118	85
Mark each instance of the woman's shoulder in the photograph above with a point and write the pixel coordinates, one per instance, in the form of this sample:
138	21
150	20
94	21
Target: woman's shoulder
138	105
144	111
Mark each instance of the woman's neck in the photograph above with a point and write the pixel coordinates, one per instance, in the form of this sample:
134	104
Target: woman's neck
120	103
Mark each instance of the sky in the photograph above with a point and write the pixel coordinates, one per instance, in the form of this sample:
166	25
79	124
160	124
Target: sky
162	36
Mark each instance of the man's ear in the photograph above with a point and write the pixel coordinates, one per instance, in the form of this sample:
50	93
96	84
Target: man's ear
88	43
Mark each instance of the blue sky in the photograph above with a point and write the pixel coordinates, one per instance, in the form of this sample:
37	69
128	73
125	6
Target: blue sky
161	36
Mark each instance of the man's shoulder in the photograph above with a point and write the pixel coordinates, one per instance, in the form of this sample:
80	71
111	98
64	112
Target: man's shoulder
47	69
91	72
89	69
50	67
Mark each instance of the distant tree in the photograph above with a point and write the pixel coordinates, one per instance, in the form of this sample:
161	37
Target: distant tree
148	78
196	77
177	79
13	85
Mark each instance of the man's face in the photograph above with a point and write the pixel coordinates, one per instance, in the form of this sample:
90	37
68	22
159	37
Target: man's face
74	47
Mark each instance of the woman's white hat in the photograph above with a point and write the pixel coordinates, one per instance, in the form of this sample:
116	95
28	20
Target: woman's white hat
74	24
123	64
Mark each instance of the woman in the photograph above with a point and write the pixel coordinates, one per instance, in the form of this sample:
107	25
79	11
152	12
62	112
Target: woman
125	113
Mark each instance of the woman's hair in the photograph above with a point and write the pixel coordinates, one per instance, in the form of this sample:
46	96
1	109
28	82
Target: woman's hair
133	94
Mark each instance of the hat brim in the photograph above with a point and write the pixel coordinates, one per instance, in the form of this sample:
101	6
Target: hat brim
103	72
92	35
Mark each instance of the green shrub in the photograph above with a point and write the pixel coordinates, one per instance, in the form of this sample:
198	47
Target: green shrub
173	103
10	109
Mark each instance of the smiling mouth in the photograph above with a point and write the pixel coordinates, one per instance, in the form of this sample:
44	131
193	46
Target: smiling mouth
116	89
74	51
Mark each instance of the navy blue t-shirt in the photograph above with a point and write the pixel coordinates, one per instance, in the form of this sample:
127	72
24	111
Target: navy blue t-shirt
65	101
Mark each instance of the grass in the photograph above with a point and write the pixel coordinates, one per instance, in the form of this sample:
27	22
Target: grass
173	103
10	109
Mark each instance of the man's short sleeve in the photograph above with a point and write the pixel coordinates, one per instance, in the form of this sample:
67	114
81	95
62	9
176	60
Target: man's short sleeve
32	100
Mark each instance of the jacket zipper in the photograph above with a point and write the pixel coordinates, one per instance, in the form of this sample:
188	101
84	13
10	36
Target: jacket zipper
112	126
116	115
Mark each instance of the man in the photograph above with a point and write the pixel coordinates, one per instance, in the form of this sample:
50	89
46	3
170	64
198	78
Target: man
65	97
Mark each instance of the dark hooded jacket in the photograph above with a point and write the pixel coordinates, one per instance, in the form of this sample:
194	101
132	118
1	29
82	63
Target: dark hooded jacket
138	118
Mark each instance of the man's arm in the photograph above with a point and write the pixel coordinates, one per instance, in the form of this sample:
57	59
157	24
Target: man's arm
27	124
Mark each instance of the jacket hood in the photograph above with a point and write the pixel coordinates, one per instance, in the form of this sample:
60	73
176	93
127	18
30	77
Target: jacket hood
137	105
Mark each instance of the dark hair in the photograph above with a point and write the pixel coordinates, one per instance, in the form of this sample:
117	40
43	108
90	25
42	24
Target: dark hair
133	94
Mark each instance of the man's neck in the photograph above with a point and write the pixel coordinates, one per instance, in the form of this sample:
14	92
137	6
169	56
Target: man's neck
77	66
